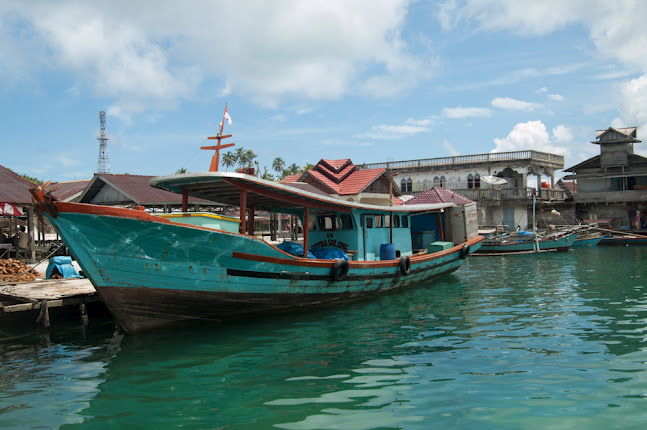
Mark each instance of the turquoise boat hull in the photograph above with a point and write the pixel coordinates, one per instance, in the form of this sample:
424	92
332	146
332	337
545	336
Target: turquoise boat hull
560	243
623	240
587	242
151	272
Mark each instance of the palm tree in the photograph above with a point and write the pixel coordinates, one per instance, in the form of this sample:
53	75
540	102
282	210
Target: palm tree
307	167
180	170
240	156
278	164
229	159
292	169
246	158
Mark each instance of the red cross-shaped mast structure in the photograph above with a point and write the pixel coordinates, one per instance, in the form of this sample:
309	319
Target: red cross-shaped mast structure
215	160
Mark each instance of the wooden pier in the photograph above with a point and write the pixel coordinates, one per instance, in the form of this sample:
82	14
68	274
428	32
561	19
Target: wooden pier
45	294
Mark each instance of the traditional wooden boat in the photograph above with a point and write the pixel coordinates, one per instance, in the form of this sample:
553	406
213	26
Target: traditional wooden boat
525	242
586	237
623	240
153	270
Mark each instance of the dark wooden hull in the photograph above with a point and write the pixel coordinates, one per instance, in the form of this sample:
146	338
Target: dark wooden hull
141	309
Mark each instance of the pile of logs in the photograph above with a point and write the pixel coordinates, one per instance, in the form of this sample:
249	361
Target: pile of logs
16	271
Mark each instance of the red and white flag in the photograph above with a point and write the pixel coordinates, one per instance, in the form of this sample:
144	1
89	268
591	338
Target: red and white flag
227	117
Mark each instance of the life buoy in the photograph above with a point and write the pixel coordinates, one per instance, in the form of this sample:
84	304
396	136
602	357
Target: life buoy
340	270
465	251
405	265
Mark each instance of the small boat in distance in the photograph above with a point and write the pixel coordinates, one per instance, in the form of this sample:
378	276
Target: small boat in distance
153	271
587	237
523	242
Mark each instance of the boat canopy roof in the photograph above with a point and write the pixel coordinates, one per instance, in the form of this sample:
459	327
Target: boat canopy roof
225	188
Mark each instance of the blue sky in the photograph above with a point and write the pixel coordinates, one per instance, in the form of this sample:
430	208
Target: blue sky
304	80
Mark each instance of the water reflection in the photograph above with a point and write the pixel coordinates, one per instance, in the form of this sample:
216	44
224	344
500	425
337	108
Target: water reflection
503	343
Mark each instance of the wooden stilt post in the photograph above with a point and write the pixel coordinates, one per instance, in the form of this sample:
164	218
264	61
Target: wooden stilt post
440	226
185	200
305	232
251	219
43	318
243	211
84	314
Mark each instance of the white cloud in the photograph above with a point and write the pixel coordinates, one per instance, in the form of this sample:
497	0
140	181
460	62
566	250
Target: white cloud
523	16
469	112
556	97
533	135
389	132
542	90
143	56
561	133
633	104
450	148
512	104
616	28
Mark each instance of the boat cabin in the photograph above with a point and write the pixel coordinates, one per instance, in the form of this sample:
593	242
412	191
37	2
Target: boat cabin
362	232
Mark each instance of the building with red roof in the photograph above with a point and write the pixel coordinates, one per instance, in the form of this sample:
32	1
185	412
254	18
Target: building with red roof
438	195
341	178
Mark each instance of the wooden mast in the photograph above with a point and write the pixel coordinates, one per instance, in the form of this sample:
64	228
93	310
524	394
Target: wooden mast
215	160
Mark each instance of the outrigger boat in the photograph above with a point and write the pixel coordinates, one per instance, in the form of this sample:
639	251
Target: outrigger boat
156	270
526	242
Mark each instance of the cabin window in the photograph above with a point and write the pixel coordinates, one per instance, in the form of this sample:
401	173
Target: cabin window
396	221
470	181
369	221
379	222
346	221
477	181
443	181
387	220
405	221
328	222
436	181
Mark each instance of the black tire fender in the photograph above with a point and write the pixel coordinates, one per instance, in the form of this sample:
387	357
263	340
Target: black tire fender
405	265
340	270
465	251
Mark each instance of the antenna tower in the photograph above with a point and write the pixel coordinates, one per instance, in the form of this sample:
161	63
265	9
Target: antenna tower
103	166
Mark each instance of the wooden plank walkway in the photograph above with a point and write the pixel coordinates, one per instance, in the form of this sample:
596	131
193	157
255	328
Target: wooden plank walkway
45	294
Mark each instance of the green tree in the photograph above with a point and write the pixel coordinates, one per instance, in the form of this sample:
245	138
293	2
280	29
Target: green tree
31	179
229	159
307	167
180	170
246	158
278	165
240	156
292	169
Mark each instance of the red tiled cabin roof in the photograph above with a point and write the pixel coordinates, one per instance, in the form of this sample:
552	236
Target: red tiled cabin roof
342	176
438	195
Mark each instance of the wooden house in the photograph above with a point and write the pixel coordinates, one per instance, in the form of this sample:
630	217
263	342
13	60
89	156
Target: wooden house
612	186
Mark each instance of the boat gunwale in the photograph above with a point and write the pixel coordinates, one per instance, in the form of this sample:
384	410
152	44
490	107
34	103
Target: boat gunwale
358	264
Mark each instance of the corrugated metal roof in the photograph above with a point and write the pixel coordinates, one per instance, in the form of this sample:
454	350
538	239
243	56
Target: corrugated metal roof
135	187
14	188
69	188
438	195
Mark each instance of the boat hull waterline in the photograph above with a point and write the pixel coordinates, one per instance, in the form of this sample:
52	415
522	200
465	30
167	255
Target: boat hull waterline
560	243
151	272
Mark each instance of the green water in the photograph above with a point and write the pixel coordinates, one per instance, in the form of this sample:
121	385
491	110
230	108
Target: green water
554	341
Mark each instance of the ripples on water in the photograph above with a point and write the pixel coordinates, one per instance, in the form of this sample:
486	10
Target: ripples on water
535	342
